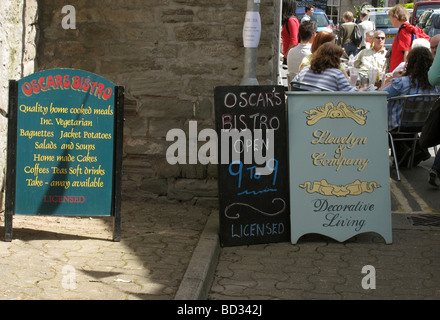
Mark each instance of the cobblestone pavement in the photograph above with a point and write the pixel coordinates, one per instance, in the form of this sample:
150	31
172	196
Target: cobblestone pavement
75	258
319	268
170	251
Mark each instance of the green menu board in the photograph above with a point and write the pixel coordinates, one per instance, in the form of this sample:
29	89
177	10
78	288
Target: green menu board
339	168
62	143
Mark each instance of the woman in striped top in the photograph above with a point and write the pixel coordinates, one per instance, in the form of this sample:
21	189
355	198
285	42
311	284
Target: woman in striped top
324	69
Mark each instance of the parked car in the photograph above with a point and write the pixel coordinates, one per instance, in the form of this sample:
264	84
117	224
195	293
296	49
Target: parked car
421	7
432	26
322	21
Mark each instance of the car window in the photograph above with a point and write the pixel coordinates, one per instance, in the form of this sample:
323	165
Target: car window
429	21
381	20
436	21
425	16
421	9
320	19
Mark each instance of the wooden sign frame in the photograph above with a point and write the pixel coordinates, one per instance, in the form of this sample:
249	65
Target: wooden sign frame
117	121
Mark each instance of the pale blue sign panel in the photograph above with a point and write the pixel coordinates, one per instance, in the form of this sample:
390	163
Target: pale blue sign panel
339	167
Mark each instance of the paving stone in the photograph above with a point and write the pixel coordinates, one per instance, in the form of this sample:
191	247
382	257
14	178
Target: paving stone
320	268
149	262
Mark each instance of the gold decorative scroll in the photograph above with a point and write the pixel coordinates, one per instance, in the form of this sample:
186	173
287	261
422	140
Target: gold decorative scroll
354	189
334	112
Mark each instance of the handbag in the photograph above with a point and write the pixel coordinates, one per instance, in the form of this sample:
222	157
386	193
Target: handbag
356	36
430	135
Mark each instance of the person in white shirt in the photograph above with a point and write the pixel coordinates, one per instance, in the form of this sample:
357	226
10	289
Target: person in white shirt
373	58
365	26
307	33
309	12
369	37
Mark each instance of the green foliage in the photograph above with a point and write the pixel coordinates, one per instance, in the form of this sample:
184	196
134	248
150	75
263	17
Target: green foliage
358	9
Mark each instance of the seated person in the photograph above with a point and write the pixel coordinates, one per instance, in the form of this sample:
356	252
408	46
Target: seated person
321	38
324	69
413	81
369	39
433	76
307	33
373	58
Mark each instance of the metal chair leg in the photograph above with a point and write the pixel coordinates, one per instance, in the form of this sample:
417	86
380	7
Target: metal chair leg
413	153
393	152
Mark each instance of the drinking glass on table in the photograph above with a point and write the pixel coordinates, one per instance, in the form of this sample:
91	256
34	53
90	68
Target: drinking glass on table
382	77
363	81
372	76
354	74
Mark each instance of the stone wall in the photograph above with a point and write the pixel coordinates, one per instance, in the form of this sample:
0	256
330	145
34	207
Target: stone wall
18	31
169	55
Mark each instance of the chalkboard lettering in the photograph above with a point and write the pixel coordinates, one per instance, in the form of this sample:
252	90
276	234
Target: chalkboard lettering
257	230
253	172
248	145
253	121
245	99
253	184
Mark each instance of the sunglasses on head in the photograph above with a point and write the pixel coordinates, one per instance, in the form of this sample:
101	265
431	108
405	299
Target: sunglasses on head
380	38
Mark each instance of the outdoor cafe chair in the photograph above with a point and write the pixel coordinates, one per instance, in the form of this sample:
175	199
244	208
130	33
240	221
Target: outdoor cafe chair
415	111
304	86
